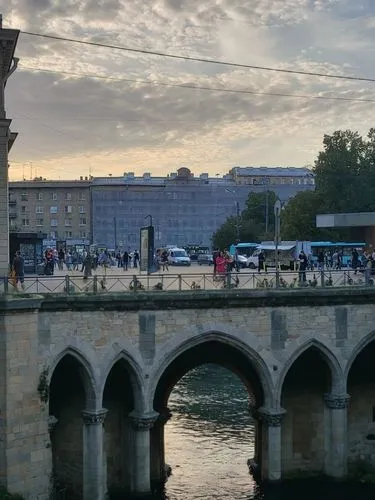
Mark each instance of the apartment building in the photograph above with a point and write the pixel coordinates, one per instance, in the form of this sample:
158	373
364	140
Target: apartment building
59	209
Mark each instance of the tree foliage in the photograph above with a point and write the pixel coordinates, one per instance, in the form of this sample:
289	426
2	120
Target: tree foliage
252	223
345	182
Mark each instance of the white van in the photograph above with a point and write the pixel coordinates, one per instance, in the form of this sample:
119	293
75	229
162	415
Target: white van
178	257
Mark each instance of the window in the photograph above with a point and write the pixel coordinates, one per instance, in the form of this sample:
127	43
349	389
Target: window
53	210
68	209
68	222
82	234
39	210
68	234
39	196
23	209
12	224
54	196
24	197
53	234
39	222
81	197
82	221
68	196
53	222
25	222
82	209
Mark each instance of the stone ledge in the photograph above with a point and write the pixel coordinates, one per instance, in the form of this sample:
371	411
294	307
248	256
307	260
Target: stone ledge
201	299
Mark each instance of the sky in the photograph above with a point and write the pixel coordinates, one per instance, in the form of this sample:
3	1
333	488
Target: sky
72	124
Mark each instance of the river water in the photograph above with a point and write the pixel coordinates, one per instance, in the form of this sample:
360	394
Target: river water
210	437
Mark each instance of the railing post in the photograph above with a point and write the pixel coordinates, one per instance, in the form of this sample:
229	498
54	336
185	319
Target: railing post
135	281
277	277
6	285
229	279
322	278
204	282
179	282
67	284
95	284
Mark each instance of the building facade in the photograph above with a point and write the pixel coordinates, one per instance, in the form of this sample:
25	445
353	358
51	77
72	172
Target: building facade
186	210
59	209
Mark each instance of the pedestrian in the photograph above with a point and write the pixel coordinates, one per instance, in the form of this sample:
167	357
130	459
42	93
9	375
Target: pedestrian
303	262
125	260
19	269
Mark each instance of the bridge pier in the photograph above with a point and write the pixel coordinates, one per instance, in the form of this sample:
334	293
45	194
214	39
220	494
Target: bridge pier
270	427
158	471
142	425
337	456
94	466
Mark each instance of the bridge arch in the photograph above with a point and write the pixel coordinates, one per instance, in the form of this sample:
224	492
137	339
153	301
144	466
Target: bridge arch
72	389
356	351
121	394
360	383
221	341
336	372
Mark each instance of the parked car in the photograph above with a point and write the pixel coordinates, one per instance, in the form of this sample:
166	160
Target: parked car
252	262
178	257
205	259
242	261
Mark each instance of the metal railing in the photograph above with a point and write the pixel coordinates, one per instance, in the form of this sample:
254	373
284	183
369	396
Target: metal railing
167	282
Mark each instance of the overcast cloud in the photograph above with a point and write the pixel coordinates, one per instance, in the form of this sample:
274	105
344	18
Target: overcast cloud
71	125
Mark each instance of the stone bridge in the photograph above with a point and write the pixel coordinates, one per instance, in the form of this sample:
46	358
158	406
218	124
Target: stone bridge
85	382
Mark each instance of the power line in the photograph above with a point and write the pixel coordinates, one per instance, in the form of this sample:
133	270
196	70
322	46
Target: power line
198	87
197	59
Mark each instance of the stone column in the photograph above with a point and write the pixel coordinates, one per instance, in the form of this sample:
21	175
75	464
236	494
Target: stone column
4	212
94	473
158	471
271	420
142	423
337	456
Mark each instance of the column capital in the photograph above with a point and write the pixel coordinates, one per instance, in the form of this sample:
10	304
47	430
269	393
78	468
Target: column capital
273	417
336	401
94	417
143	421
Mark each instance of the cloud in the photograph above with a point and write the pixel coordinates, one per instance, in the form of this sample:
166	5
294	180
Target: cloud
71	125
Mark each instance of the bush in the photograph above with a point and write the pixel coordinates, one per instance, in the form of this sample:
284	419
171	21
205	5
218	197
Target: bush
4	495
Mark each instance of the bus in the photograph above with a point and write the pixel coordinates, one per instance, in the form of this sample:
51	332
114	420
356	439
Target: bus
345	247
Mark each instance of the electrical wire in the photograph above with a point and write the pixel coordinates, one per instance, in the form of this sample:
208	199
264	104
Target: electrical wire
197	87
198	59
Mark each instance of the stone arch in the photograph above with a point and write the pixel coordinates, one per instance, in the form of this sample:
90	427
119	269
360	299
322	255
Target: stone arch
135	375
337	376
72	389
86	372
121	394
360	385
358	348
178	346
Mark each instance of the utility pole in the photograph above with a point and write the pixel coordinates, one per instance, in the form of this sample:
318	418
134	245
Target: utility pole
115	231
237	222
277	210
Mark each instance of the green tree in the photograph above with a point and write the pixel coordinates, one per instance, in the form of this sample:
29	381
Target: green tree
252	224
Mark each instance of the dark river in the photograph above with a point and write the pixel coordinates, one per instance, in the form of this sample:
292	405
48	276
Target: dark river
210	438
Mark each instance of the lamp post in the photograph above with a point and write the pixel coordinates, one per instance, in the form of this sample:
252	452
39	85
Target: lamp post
115	231
277	210
237	205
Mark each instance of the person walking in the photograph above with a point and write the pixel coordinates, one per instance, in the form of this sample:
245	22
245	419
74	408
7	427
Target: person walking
19	269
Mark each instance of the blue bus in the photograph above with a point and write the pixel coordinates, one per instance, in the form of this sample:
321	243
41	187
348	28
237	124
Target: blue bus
345	247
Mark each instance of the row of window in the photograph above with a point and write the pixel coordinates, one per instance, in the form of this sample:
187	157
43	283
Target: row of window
53	196
54	235
54	222
68	209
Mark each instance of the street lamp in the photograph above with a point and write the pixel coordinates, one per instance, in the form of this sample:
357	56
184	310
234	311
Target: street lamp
277	211
237	205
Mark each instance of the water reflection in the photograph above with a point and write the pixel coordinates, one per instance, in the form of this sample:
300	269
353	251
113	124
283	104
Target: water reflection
210	437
